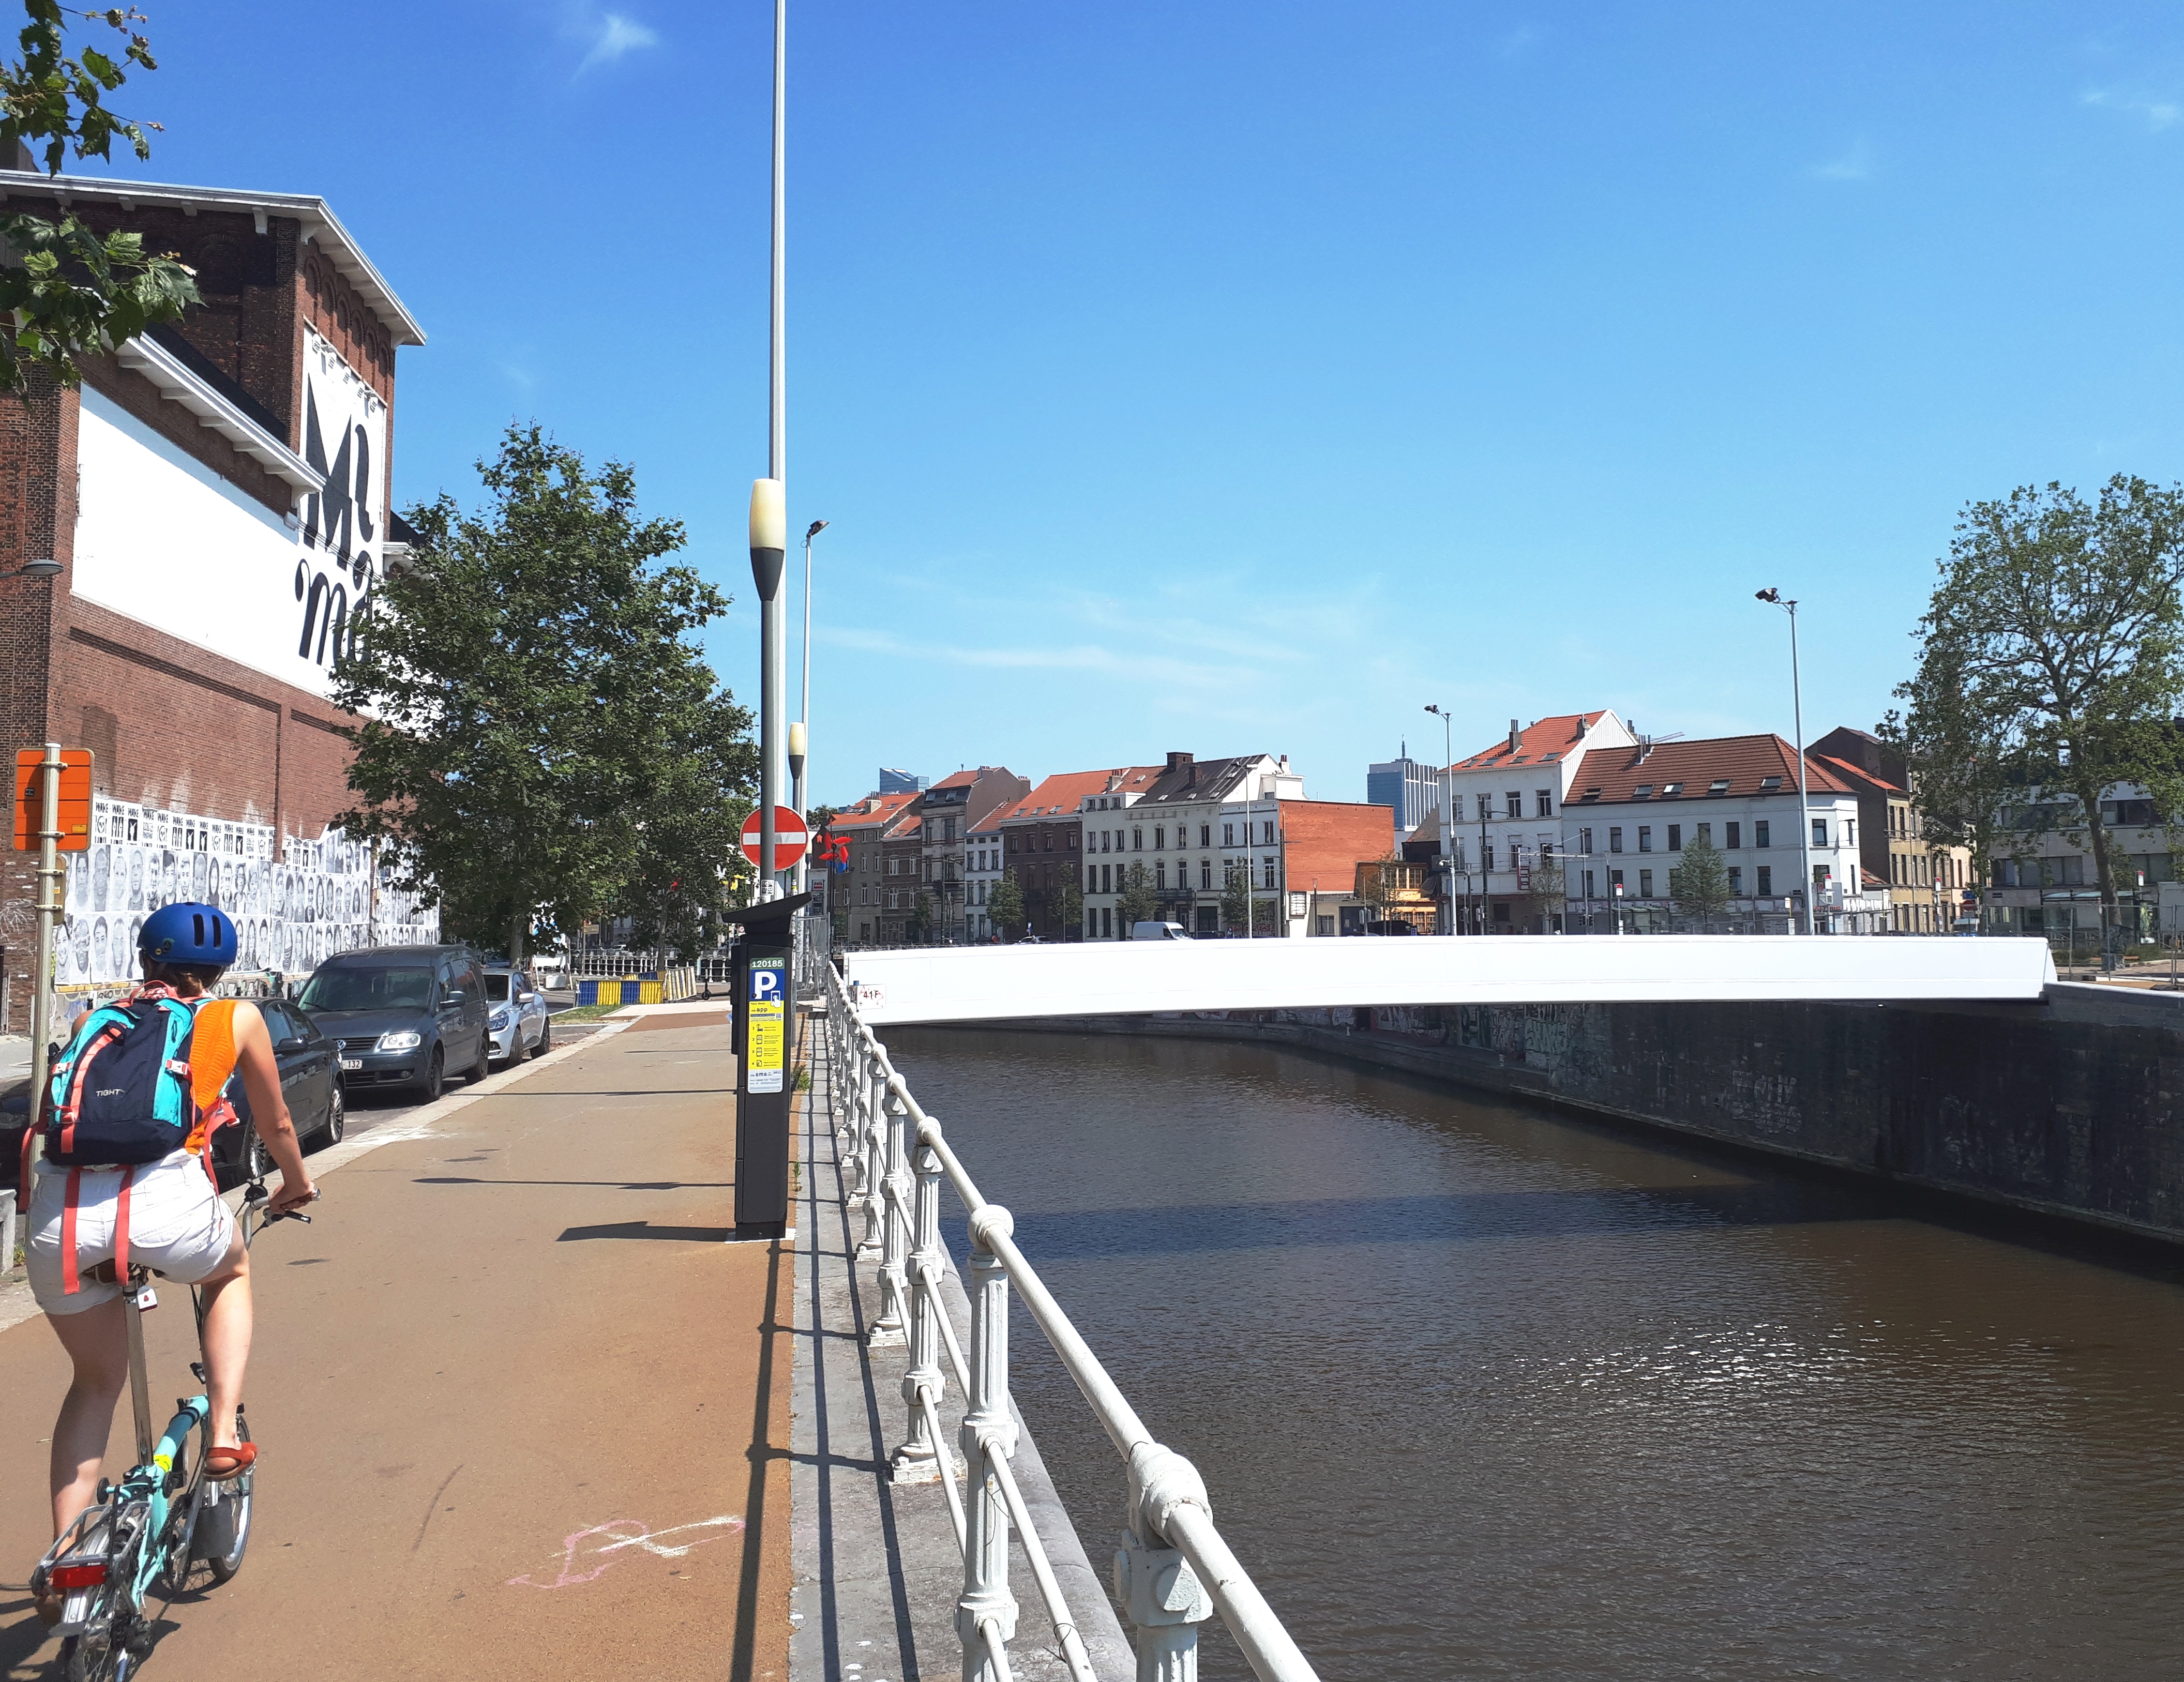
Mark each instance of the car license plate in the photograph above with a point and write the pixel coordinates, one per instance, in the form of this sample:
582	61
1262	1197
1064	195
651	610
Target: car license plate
352	1062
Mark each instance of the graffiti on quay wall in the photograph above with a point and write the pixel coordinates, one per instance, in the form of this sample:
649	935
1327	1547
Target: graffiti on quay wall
321	897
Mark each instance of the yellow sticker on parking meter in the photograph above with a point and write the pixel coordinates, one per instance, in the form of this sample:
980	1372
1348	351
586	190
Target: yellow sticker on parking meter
767	1037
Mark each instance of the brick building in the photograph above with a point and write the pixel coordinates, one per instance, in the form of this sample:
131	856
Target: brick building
216	494
1042	846
860	892
948	812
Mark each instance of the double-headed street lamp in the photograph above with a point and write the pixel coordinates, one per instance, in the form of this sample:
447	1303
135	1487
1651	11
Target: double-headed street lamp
1774	598
1447	798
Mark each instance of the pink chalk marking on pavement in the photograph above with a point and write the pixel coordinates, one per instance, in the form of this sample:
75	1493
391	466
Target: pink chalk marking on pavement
645	1537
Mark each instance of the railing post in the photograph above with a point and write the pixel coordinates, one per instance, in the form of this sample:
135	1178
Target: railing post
893	1325
868	1144
989	1431
1154	1583
918	1460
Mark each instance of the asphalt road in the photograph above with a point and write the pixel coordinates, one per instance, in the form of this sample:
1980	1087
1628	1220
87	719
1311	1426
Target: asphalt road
369	1110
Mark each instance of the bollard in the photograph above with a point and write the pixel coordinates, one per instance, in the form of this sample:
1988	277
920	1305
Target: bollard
918	1460
989	1431
1157	1588
893	1325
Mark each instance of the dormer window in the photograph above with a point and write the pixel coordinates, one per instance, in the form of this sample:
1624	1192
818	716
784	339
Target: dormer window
1644	791
1668	789
1589	795
1718	786
1767	785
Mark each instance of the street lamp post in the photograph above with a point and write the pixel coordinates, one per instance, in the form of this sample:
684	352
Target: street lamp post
1447	805
1774	598
769	514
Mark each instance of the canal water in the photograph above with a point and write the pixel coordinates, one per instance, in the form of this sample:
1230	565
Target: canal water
1483	1391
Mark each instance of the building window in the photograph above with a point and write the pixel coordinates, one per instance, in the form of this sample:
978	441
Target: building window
1106	878
1645	884
1267	839
1766	881
1590	892
1228	835
1675	837
1205	872
1487	856
1204	835
895	867
1850	831
1160	873
1615	881
1269	882
1486	807
1543	801
1706	833
1645	837
1615	839
1736	881
1160	837
1585	842
1735	836
1514	804
1107	923
1137	840
1759	833
1820	831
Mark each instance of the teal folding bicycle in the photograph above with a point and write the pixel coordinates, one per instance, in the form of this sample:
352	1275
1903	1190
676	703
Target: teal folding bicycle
162	1522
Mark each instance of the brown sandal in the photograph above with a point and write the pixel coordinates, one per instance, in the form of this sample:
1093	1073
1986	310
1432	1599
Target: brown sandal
223	1463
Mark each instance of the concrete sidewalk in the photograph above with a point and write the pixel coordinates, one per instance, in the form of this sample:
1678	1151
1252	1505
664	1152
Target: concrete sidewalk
524	1413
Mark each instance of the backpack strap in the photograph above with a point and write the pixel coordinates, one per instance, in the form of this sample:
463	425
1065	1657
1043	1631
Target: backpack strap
121	1229
71	1282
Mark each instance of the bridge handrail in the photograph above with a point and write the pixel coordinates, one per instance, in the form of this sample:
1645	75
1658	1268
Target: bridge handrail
1176	1569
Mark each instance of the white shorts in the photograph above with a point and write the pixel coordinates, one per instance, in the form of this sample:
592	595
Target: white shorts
177	1226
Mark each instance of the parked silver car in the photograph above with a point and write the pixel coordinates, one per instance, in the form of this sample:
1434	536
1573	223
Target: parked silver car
518	1024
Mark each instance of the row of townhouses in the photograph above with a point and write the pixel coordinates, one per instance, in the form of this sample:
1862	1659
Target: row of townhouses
925	866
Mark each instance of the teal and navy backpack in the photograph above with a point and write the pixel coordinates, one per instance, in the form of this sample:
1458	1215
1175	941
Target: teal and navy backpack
120	1093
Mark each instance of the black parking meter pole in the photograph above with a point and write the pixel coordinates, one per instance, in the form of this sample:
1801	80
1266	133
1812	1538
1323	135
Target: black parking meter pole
766	1058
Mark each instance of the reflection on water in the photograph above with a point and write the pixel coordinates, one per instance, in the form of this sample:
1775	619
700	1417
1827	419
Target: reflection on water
1479	1391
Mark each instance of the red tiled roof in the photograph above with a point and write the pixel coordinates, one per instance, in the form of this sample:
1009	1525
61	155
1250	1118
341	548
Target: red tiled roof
1060	794
1550	737
873	813
1614	775
1855	776
1868	880
958	780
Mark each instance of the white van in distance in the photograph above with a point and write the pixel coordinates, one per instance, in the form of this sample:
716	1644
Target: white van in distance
1157	931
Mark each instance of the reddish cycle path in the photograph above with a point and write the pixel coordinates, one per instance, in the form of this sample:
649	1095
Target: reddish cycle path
525	1413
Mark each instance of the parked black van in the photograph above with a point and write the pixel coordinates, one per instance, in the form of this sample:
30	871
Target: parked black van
403	1017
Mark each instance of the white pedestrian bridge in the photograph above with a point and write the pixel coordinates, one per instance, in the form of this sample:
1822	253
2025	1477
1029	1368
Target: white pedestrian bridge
988	983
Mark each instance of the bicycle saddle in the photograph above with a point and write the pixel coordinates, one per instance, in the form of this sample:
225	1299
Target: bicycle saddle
103	1273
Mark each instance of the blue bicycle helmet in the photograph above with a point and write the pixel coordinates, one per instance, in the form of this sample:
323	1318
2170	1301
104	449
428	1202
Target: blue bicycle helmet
187	932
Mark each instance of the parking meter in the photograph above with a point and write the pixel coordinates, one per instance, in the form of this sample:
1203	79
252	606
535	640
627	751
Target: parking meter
764	1025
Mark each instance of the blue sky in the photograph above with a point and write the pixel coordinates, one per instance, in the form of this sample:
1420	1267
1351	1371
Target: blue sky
1242	377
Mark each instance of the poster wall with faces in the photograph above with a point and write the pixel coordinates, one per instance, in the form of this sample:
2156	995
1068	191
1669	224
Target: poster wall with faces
290	914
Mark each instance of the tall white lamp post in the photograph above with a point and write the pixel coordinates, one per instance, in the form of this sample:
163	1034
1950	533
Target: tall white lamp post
1774	598
1447	801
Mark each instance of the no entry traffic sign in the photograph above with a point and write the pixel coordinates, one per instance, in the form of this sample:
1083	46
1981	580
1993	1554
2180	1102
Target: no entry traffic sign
790	838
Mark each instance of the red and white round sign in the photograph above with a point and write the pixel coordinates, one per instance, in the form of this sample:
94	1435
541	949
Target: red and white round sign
790	838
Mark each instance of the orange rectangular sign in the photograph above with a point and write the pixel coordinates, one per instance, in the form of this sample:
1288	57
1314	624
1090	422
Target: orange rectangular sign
74	802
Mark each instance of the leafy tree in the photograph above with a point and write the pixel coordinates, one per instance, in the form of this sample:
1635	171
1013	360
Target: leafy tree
537	740
1006	906
1700	884
1136	903
1067	903
71	291
1548	897
2052	658
1235	894
917	928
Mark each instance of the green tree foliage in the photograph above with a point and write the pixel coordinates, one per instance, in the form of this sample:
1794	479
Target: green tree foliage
2051	660
538	739
917	927
71	291
1066	906
1137	903
1006	906
1700	884
1236	894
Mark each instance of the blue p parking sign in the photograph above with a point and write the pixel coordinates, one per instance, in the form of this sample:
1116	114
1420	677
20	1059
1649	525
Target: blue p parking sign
767	1037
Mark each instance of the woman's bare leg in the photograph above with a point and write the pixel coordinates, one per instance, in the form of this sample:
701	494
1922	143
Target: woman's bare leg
98	1343
227	1325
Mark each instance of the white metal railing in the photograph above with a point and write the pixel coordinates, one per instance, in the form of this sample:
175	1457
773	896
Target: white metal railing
1174	1570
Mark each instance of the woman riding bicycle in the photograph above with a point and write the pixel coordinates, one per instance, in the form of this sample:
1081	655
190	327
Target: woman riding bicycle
167	1214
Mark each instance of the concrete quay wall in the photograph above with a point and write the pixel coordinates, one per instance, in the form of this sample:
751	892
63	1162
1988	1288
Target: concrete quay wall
2073	1107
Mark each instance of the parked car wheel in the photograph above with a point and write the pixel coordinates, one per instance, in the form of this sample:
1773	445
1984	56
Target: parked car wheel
257	1160
483	1066
337	1119
545	1038
436	1077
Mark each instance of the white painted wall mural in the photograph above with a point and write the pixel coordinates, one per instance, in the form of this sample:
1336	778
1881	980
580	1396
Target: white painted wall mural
163	539
291	913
